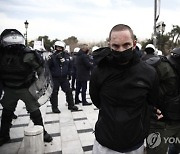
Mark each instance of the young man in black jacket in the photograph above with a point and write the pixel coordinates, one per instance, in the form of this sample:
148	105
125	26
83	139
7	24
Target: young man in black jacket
122	87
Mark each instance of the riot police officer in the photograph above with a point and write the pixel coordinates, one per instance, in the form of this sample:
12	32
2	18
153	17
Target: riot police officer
61	68
149	52
168	70
18	67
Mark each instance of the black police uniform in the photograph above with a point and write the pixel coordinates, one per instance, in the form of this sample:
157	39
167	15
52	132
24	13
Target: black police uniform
61	67
18	65
169	125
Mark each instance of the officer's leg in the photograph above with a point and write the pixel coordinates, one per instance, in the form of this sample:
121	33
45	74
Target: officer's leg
77	91
1	96
32	107
5	126
83	93
9	103
37	120
69	96
54	96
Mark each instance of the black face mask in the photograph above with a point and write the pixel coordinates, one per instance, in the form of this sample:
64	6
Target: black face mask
122	57
59	54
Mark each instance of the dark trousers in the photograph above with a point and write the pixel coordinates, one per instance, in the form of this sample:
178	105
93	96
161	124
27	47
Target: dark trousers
9	103
73	81
6	122
81	85
65	86
172	149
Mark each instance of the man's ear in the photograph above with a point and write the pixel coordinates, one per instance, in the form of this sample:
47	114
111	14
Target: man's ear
134	44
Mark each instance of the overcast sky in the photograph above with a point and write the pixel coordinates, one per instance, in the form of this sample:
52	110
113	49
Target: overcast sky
88	20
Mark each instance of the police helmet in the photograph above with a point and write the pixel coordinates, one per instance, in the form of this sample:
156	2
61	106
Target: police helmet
11	37
176	52
150	48
94	48
76	49
159	52
139	46
174	58
59	44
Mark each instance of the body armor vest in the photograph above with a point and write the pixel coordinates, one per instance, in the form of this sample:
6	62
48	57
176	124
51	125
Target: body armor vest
14	72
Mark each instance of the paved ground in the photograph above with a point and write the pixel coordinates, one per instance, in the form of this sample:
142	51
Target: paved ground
72	131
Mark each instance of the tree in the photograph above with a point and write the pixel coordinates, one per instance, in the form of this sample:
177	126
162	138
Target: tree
174	37
72	42
47	43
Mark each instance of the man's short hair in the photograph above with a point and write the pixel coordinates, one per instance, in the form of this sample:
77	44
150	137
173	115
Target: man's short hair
121	27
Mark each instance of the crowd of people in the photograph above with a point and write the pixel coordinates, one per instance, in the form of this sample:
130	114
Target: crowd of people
136	91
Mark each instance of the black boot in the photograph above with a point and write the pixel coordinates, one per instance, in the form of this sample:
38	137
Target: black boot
55	110
54	102
84	102
47	137
77	101
37	120
70	101
5	126
73	108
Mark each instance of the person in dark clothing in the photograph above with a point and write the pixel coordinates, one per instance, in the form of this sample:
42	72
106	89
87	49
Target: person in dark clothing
18	68
74	54
168	69
123	88
60	67
83	69
150	52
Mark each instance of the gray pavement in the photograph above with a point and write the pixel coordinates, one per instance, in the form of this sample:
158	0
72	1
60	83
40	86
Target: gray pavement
72	132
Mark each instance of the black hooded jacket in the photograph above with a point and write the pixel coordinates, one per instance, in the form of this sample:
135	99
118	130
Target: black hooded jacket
83	66
123	94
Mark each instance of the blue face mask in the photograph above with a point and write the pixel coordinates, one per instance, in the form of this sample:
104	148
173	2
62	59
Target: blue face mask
122	57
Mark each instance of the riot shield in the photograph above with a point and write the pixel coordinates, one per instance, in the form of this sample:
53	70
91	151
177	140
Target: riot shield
42	87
